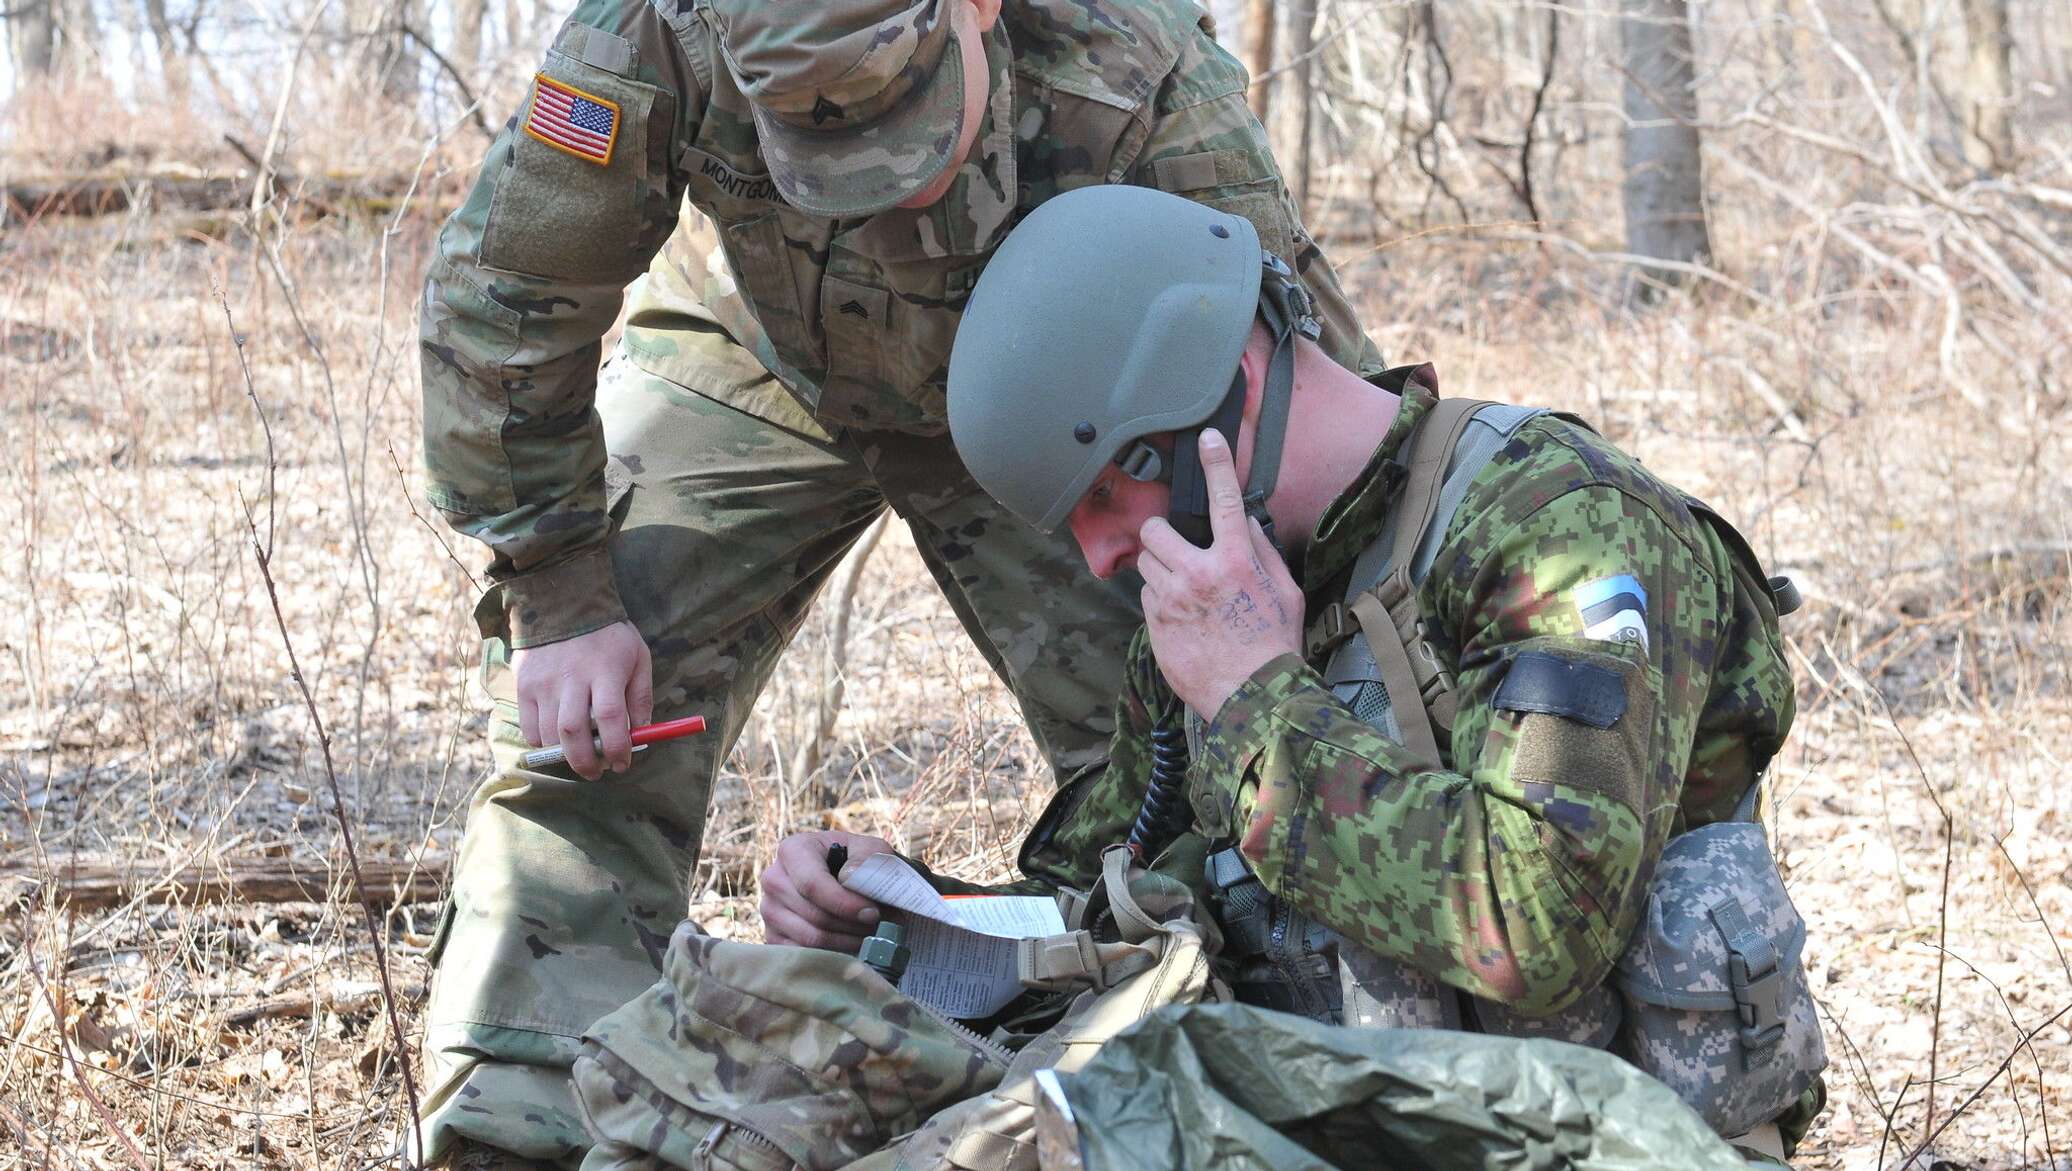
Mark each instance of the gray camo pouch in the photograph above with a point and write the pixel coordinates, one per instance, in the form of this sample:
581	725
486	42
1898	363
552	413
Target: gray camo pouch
1716	998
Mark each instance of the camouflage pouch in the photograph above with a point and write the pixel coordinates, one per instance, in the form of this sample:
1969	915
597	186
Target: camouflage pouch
756	1058
1716	1000
1154	952
761	1058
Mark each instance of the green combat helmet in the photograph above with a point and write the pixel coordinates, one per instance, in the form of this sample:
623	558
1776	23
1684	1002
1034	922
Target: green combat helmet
1109	315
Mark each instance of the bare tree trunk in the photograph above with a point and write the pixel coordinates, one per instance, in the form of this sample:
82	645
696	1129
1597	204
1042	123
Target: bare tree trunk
79	39
1302	18
1988	86
468	18
171	65
1259	29
1927	33
1664	189
32	36
399	56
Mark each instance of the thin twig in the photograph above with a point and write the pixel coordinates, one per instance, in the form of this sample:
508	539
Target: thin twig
352	855
1532	116
2006	1061
251	392
1942	912
474	105
72	1064
438	534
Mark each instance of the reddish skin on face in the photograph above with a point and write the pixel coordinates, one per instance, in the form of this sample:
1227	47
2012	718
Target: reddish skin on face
1108	519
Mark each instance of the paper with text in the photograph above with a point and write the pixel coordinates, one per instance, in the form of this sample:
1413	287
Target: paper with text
962	948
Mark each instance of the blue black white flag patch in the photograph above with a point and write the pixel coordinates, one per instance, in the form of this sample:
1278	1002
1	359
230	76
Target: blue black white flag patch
1614	609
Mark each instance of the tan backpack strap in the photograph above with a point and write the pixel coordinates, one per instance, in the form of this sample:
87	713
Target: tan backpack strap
1392	657
1135	924
979	1149
1072	907
1419	685
1075	960
1431	449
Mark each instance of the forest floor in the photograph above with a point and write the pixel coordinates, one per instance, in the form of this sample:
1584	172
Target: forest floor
182	983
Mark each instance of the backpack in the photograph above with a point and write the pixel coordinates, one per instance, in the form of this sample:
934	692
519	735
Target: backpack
760	1058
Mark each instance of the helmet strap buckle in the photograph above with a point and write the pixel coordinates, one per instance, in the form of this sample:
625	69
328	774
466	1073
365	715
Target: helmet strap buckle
1141	462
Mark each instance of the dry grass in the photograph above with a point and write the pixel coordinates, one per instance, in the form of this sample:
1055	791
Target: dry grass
1913	477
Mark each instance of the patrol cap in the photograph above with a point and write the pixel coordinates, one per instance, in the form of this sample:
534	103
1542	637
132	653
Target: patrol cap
1109	314
859	103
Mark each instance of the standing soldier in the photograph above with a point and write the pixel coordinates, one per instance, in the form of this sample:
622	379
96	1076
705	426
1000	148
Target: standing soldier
658	534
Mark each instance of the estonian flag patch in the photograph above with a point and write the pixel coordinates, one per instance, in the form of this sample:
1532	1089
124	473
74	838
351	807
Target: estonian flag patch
1614	609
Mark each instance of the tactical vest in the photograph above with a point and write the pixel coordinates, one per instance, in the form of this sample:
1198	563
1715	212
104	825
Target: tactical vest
1387	670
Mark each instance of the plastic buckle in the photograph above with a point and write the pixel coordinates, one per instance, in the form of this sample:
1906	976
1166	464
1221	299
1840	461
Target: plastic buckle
1141	462
1424	654
1331	628
1758	990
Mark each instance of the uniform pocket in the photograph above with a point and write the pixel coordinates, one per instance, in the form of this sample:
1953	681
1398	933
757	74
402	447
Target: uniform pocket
769	251
569	204
1238	182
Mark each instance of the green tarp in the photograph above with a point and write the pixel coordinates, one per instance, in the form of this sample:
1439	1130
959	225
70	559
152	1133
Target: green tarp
1234	1088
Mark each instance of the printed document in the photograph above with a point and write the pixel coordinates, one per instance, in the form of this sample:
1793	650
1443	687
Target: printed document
962	947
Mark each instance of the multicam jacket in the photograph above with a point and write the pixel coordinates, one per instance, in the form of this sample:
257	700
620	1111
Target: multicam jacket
855	317
1518	868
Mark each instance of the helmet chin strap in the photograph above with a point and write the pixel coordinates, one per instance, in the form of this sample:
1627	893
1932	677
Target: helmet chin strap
1286	309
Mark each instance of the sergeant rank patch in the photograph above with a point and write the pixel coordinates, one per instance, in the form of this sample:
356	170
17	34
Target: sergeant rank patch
568	119
1614	609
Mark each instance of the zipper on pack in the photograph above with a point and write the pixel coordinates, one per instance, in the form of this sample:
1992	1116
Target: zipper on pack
752	1148
991	1049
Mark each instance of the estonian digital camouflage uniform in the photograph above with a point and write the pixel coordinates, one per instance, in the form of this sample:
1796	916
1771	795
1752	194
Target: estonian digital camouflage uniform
1517	873
767	402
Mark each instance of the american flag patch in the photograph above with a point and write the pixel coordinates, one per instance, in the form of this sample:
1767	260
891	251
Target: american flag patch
566	118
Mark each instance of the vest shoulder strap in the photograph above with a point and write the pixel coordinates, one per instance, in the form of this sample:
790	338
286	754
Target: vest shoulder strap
1441	459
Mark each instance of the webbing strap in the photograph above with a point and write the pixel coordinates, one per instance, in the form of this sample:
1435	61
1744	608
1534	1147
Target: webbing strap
1075	960
1750	805
1430	449
978	1149
1271	428
1388	613
1131	919
1392	658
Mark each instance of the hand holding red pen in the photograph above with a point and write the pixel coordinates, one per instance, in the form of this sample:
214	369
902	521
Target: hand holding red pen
641	738
584	691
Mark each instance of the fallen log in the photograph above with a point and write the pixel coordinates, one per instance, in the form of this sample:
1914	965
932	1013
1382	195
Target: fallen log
96	885
93	886
340	998
42	196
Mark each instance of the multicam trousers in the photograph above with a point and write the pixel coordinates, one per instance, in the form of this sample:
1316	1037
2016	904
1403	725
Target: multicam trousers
740	506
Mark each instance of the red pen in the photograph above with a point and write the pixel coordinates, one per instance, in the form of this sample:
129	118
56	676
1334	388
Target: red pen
643	736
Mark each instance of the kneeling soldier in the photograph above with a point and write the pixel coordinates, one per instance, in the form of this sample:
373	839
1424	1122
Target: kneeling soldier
1477	705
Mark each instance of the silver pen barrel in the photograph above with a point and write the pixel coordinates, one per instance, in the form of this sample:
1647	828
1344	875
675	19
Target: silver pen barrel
542	757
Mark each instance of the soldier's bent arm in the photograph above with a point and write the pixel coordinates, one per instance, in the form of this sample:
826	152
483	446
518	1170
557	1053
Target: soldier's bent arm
1587	628
1205	144
576	195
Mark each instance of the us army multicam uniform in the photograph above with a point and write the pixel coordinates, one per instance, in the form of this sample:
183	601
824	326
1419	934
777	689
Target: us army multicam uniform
1516	871
768	400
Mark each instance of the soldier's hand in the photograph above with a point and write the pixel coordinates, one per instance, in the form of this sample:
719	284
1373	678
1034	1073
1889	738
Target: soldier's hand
1218	614
803	903
603	678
